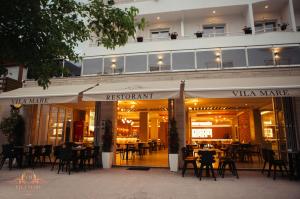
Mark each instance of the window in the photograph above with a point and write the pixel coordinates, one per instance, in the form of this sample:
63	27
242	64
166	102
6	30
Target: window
234	58
159	62
160	34
207	60
136	63
92	66
113	65
214	30
183	60
288	55
265	26
260	56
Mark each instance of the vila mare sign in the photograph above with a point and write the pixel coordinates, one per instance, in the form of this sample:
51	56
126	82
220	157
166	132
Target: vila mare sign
33	100
261	93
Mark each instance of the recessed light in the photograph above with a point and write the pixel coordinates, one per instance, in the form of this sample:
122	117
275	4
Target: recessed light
266	6
214	12
158	17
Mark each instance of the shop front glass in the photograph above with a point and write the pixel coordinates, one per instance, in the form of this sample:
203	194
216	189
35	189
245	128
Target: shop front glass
248	125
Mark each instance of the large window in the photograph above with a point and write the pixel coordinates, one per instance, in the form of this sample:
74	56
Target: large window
160	33
159	62
113	65
214	30
260	56
288	55
265	26
208	60
92	66
183	61
136	63
234	58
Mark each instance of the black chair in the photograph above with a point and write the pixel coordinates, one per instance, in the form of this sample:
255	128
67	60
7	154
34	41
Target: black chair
56	153
7	153
19	154
47	151
66	157
140	150
188	159
268	157
29	156
256	151
38	149
229	161
120	150
206	160
85	157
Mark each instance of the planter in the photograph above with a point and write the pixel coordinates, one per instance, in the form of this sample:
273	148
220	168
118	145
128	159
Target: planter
198	34
248	31
107	160
173	37
140	39
173	162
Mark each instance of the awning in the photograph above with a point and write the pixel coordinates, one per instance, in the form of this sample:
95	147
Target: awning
147	90
38	95
243	87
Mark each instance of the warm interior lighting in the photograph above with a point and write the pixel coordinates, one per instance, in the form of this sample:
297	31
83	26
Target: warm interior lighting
201	123
265	112
276	55
214	12
160	60
266	6
158	18
113	63
218	59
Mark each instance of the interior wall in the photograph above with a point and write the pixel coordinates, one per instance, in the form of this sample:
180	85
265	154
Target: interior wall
244	127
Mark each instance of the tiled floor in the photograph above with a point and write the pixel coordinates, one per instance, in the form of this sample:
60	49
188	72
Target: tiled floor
160	159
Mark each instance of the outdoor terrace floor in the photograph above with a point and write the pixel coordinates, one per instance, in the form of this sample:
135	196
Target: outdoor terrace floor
119	183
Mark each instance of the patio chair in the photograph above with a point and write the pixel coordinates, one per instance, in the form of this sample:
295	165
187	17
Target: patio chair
66	157
188	159
7	153
47	153
228	160
206	160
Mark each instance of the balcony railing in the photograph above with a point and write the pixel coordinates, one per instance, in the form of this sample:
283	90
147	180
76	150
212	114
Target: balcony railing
194	59
8	84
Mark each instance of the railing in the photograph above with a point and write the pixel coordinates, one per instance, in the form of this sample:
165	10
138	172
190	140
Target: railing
193	59
8	84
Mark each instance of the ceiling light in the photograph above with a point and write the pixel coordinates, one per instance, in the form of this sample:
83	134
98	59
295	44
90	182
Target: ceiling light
214	12
266	6
158	17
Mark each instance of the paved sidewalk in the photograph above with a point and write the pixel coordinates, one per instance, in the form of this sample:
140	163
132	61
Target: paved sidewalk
119	183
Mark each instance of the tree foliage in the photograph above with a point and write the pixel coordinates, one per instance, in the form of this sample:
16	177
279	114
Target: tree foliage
37	33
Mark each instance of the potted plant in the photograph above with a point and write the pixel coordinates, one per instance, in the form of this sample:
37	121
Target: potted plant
247	30
283	26
199	34
173	35
14	126
140	27
173	146
107	145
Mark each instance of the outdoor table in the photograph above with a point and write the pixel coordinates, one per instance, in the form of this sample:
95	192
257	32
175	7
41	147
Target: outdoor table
127	149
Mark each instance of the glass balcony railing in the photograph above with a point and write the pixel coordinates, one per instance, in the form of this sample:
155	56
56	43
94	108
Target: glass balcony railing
194	59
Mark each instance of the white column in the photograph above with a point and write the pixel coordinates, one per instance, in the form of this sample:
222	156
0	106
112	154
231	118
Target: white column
251	18
182	26
292	15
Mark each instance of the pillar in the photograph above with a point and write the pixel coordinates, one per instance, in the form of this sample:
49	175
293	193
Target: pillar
251	18
292	15
144	132
257	126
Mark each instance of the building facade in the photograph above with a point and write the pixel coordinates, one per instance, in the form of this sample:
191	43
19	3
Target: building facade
227	71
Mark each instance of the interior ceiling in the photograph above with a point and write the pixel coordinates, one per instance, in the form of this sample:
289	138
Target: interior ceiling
196	13
273	6
81	105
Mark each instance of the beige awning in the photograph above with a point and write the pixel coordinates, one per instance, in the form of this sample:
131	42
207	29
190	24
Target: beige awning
243	87
148	90
38	95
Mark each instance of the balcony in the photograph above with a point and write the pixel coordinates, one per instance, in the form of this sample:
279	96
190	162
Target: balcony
8	84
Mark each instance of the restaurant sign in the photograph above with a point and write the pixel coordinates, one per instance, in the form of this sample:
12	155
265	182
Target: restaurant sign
129	96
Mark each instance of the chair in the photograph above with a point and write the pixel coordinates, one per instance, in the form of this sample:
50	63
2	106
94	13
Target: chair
7	153
66	157
47	153
37	154
188	159
229	161
120	150
206	160
268	157
256	151
85	157
56	152
140	150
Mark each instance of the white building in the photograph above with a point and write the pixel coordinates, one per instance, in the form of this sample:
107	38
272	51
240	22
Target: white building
223	85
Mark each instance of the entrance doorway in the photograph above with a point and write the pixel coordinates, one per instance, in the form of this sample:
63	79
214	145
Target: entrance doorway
142	133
